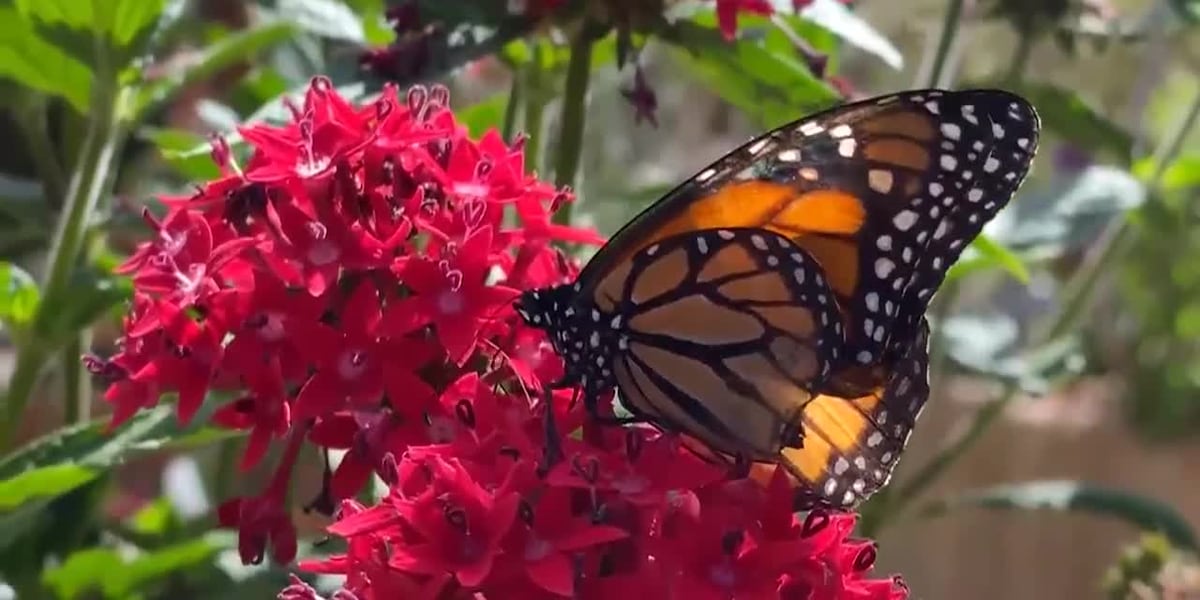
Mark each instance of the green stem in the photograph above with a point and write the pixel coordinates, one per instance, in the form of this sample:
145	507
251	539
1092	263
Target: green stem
535	106
89	182
37	140
949	31
77	386
574	112
509	126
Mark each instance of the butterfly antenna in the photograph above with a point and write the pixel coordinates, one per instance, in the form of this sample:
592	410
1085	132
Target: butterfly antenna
508	359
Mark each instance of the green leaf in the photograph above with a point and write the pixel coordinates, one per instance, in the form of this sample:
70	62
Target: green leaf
19	298
1068	212
116	577
1183	173
237	47
44	482
985	254
132	20
1066	114
484	115
177	147
326	18
1076	496
770	87
30	60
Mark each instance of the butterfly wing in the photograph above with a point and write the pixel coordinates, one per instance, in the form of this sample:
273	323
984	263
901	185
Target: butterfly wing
852	445
728	334
884	193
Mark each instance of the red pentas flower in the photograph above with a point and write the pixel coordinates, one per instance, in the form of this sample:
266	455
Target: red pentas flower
348	287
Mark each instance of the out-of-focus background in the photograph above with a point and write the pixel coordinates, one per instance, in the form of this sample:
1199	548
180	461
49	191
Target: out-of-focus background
1059	454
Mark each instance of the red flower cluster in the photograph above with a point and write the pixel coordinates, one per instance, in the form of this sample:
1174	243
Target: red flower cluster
351	286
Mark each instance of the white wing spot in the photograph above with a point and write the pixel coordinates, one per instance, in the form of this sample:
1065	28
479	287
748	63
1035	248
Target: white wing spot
702	245
874	439
904	220
864	357
791	155
991	164
975	195
811	128
884	267
758	146
872	300
725	234
932	107
846	147
936	189
880	180
951	131
706	174
840	131
948	162
884	242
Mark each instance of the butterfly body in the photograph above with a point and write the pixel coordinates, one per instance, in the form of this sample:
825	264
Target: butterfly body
772	306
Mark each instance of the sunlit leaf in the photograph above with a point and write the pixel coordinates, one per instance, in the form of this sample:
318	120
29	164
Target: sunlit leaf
1076	496
327	18
29	59
43	482
838	18
985	254
19	298
1183	172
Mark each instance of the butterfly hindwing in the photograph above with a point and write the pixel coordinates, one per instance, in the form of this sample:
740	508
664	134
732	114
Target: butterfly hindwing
852	445
727	333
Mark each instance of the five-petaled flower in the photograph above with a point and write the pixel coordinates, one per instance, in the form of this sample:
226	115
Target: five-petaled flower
349	288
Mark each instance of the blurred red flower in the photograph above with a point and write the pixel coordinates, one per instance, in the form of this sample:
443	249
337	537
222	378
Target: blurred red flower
349	287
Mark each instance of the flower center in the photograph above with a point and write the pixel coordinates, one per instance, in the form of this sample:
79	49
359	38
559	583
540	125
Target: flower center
272	329
537	549
631	484
352	364
722	574
322	253
450	303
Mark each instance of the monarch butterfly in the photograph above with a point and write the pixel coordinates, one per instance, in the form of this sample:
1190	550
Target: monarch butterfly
772	307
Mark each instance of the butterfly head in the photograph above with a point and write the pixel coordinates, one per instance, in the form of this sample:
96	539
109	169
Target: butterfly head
575	329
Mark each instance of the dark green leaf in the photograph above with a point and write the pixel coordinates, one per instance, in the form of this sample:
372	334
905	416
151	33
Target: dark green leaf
232	49
19	297
772	88
1188	10
27	58
1066	114
1065	495
326	18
